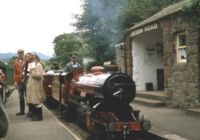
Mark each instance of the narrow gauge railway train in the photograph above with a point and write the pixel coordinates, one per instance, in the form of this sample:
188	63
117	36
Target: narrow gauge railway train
98	100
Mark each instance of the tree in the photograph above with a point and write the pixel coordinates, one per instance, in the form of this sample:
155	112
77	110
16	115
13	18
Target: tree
192	13
66	44
139	10
99	25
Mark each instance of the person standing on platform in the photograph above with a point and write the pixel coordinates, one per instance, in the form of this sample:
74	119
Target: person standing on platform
73	64
35	92
25	78
18	75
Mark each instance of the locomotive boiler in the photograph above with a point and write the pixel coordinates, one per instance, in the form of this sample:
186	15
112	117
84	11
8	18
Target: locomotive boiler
99	101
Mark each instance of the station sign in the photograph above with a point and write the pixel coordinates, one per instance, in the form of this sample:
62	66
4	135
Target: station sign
144	29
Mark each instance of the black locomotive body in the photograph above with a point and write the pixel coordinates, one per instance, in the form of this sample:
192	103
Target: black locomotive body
98	101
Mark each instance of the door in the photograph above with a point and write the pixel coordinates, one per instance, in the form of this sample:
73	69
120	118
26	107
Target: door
160	79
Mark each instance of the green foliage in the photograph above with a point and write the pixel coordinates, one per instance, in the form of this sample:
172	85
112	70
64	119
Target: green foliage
64	46
100	25
66	43
192	13
138	10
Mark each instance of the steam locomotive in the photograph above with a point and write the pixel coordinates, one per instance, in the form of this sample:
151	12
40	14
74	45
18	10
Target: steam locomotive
98	101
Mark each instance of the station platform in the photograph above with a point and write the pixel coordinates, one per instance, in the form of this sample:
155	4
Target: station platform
171	123
22	128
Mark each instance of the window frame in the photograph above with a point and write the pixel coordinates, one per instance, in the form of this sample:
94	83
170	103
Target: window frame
178	47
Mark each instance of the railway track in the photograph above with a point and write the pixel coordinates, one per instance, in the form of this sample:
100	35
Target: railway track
82	134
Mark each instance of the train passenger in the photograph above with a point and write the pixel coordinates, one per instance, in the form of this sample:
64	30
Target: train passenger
73	64
18	73
4	123
35	91
25	78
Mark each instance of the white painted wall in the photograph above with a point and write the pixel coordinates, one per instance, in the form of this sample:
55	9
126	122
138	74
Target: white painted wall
145	64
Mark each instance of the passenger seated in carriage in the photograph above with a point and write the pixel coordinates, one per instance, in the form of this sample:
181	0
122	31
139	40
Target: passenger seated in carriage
71	66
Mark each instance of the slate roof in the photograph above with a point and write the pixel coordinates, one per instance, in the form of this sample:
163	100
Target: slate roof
171	9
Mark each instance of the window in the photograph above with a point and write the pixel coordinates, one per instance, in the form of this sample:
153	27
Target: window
181	48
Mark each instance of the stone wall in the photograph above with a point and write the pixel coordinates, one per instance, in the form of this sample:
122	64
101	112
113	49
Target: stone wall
181	79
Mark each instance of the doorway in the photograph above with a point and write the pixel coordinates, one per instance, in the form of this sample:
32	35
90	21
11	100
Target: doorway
160	79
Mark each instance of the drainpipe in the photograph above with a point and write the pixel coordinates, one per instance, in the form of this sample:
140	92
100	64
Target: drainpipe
127	55
199	62
124	51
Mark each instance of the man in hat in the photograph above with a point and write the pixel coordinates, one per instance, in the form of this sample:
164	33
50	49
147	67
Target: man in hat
18	79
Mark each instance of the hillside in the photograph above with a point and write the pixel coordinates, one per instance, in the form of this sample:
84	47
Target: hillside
6	56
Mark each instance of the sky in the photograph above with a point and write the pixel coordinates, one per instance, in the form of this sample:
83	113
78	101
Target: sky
33	24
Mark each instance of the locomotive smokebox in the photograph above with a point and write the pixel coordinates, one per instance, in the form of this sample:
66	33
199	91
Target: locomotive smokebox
119	87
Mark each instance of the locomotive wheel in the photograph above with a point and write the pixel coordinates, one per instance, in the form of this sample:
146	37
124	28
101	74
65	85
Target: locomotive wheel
70	112
63	109
108	136
50	102
81	120
81	115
